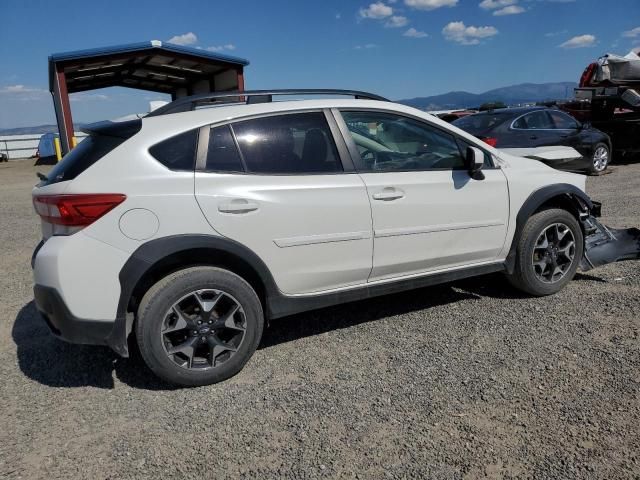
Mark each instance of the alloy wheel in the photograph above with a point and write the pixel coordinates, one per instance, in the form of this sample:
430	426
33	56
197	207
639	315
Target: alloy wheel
203	329
553	253
600	158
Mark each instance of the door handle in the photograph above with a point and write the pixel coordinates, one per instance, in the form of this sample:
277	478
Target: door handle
389	193
533	137
238	205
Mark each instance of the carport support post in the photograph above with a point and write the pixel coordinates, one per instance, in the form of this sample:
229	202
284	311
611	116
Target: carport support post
240	80
63	110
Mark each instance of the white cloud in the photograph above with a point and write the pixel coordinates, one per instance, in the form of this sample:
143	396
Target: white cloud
376	11
493	4
413	33
555	34
17	89
220	48
366	46
396	21
458	32
510	10
185	39
87	97
633	33
580	41
430	4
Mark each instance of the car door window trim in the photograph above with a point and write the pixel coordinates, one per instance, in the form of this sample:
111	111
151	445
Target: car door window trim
511	127
338	140
355	154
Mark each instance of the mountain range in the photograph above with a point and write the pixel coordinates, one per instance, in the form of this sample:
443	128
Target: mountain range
35	130
511	95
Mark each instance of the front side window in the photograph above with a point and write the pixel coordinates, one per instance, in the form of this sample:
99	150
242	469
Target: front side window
563	121
177	153
538	120
299	143
391	142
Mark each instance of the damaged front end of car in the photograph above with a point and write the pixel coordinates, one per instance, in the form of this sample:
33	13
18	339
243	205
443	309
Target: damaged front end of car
604	245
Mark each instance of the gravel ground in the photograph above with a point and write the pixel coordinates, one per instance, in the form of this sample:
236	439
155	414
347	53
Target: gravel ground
464	380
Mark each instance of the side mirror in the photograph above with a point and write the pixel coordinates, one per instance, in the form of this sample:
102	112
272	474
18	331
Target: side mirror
475	162
585	126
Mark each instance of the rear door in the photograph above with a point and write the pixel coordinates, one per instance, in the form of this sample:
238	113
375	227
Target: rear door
428	213
283	187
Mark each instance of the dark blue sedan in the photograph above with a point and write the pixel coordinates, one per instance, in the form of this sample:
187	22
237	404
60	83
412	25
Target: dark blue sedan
527	127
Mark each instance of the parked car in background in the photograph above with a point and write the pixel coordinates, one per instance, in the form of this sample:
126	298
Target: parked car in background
539	127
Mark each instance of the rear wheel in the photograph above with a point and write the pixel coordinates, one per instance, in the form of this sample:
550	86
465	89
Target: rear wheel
548	253
600	158
199	326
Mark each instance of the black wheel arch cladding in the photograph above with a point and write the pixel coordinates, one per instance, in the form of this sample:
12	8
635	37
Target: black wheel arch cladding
153	252
562	192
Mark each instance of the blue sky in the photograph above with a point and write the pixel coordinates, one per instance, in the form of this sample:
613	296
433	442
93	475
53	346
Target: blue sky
396	48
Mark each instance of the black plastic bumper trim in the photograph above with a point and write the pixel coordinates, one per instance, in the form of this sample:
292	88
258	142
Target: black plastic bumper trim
64	325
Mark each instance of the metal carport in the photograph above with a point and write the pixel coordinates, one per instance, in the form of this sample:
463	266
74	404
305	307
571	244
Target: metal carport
155	66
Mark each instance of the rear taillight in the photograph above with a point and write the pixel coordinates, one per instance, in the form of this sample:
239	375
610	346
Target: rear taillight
75	210
490	141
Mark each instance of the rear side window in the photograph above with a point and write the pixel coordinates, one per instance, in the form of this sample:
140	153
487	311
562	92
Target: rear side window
177	153
88	152
563	121
298	143
222	154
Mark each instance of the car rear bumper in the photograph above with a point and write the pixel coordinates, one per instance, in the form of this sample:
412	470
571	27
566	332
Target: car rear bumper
64	325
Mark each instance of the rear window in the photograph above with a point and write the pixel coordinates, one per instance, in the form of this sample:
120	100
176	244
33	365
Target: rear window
177	153
88	152
481	122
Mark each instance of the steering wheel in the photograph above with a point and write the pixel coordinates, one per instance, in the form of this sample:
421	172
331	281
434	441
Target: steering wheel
369	157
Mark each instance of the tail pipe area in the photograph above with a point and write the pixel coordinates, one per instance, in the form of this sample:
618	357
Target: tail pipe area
604	245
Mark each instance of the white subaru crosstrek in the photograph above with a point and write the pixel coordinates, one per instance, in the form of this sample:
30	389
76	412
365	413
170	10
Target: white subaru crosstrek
192	227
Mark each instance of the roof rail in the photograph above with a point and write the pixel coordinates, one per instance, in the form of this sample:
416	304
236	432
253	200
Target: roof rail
187	104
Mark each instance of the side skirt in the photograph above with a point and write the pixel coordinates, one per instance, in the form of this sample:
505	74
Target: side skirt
282	305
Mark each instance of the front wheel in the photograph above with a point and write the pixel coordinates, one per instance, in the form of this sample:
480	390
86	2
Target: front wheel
600	158
548	252
199	326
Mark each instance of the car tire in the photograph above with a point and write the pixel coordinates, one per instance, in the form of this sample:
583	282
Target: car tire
600	158
543	248
199	326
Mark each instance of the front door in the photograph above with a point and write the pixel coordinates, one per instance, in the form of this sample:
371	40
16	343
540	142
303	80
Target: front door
428	213
277	185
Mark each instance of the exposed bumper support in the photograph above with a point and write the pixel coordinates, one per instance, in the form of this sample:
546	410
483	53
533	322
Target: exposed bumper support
607	245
